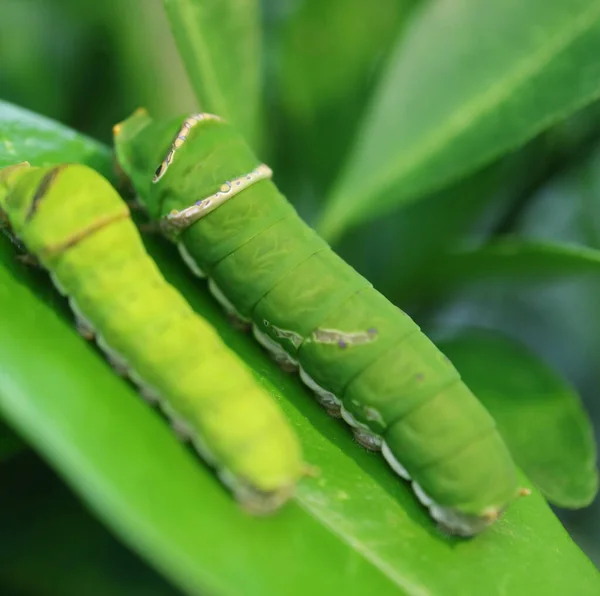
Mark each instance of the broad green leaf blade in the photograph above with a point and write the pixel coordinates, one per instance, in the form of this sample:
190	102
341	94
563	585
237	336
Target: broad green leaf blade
470	81
356	516
404	263
514	259
539	415
25	136
219	42
354	528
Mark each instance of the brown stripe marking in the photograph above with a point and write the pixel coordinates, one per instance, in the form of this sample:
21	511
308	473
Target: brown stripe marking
96	226
42	189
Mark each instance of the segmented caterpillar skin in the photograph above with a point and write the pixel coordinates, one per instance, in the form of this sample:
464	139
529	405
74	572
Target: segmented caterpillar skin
363	357
79	228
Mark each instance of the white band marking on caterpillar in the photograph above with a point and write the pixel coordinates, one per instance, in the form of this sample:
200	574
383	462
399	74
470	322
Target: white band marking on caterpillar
175	222
180	139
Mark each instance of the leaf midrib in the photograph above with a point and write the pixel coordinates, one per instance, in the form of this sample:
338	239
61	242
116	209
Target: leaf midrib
358	545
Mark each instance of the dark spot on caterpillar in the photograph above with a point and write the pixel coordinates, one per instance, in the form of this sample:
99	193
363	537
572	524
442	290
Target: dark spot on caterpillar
159	170
419	377
42	190
342	343
372	331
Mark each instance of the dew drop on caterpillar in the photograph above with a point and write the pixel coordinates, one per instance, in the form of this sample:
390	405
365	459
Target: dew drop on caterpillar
80	230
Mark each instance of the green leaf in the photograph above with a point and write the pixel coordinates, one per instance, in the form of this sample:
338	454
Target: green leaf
219	42
355	528
405	261
25	136
538	413
514	259
469	81
123	459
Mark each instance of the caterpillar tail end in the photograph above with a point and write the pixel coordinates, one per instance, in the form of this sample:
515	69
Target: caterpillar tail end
253	500
260	503
455	523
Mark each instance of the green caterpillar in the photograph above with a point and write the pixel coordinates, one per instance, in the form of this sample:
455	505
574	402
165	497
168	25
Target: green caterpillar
363	357
79	228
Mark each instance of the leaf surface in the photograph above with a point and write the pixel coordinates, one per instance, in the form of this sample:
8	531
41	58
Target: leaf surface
355	528
498	74
516	259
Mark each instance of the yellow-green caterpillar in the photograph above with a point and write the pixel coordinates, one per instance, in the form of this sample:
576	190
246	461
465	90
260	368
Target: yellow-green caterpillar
79	228
362	356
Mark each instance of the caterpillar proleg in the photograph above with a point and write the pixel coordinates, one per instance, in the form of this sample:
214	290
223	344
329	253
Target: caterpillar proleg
80	230
365	359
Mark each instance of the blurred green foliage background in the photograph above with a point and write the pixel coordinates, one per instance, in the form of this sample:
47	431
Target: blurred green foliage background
89	64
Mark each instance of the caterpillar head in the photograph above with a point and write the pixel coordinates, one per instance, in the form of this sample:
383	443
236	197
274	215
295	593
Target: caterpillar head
176	163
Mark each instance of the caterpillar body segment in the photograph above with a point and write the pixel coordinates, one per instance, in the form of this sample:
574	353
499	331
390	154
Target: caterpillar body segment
80	230
365	359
